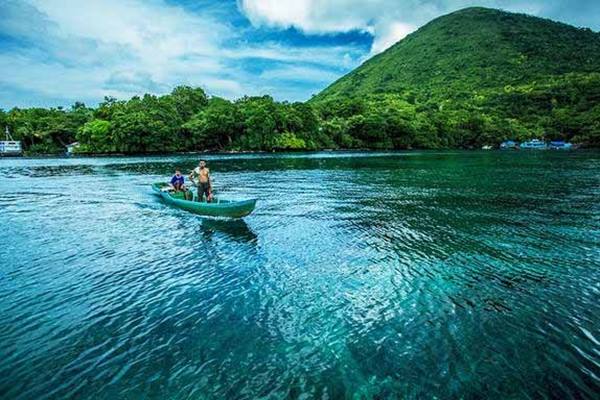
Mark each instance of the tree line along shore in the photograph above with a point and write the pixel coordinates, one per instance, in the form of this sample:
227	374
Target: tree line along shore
187	120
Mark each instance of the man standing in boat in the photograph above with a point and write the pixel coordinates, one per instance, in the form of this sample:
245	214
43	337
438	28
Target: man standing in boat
204	187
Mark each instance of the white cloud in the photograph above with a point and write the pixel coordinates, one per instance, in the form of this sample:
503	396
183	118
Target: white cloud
342	57
85	50
311	16
387	20
388	34
299	72
67	50
77	50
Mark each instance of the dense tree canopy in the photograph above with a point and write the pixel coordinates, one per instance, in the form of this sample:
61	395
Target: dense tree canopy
564	109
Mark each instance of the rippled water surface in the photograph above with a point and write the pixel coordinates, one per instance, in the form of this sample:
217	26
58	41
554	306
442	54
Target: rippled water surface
415	275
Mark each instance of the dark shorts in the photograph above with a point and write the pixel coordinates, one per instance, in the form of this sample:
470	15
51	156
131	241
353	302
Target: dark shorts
203	190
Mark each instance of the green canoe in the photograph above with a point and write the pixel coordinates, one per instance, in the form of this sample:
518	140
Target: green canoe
216	208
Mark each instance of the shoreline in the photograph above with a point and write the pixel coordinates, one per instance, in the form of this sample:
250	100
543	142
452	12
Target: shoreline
333	151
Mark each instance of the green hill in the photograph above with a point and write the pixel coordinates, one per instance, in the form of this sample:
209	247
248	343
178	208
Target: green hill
474	49
539	76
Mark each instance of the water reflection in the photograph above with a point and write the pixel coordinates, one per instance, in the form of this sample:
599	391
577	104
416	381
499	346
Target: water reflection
233	229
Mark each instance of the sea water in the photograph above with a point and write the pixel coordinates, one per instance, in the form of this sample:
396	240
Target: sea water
359	275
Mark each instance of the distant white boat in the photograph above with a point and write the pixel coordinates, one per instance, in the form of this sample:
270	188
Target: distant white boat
486	147
10	147
534	144
561	145
509	144
71	148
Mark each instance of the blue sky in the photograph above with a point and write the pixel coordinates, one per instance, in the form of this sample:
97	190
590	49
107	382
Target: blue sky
56	52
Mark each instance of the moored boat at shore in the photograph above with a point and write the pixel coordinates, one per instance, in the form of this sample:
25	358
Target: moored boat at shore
561	145
9	146
509	145
534	144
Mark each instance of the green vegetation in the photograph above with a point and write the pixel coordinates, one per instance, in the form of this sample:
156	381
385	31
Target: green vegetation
480	76
185	120
477	76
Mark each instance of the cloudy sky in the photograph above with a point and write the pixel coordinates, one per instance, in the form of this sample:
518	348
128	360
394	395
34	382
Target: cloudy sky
54	52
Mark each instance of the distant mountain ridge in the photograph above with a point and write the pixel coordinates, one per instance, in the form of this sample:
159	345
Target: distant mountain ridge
472	50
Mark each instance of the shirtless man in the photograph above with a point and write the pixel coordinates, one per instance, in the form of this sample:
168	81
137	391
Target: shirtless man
204	187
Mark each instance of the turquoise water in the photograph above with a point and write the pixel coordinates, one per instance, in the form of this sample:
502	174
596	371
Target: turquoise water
407	275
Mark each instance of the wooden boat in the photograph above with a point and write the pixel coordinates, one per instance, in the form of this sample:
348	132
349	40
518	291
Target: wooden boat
216	208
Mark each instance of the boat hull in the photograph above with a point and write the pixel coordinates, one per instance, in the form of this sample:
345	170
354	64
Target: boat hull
216	208
534	144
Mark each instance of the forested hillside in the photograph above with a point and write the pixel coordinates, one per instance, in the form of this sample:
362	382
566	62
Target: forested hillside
480	76
477	76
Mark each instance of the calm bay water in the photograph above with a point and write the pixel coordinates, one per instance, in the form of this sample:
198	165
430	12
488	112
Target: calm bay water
415	275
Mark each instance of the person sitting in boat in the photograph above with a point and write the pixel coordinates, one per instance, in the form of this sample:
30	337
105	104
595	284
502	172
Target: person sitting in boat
204	186
177	181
